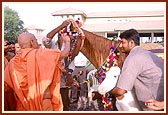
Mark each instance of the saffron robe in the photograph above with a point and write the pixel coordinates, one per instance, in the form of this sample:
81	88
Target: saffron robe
30	73
5	62
9	96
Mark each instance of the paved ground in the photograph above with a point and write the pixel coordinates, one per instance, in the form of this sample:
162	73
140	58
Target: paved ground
96	105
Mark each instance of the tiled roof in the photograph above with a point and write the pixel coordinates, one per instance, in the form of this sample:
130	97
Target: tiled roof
157	50
143	25
109	14
125	14
68	11
102	27
154	47
139	25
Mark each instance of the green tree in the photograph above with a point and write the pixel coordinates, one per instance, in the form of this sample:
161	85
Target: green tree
13	26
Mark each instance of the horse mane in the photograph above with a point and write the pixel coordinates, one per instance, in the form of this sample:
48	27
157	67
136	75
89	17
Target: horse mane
96	49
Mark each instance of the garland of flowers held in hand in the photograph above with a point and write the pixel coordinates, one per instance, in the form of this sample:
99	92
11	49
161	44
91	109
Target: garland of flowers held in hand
72	30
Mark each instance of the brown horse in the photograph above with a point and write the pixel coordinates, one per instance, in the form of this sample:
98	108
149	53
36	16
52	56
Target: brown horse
97	48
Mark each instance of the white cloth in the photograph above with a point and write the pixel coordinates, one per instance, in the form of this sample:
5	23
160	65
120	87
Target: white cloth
110	81
51	43
80	60
128	103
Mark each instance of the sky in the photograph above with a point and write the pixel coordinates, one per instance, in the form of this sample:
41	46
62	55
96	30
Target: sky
39	13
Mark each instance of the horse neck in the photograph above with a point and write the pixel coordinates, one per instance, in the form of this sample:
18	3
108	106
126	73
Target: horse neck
96	48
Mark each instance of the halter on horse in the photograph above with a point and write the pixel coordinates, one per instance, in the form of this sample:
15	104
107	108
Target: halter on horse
95	48
76	40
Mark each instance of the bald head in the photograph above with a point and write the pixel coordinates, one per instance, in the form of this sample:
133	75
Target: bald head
27	40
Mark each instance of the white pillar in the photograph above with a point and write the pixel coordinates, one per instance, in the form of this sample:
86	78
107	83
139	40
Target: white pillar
140	40
105	34
118	35
152	37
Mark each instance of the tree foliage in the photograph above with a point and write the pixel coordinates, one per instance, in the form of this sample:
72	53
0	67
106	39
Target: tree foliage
13	26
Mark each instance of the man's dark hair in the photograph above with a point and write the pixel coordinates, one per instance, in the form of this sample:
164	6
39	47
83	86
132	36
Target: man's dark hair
11	42
131	34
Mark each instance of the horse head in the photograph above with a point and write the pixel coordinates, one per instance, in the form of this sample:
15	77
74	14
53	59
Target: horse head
97	48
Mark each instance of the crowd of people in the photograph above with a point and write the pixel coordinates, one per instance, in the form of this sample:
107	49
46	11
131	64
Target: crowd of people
35	79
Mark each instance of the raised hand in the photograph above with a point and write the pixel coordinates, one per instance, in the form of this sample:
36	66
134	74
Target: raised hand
66	23
65	37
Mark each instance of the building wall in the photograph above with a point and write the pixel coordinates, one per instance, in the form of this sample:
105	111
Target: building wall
98	21
38	34
119	19
100	34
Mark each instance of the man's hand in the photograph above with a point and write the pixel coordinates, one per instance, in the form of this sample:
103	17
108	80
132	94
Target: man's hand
52	33
65	37
65	23
65	51
74	23
154	105
117	92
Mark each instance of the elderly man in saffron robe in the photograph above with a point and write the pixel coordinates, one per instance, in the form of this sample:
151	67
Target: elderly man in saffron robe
34	75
